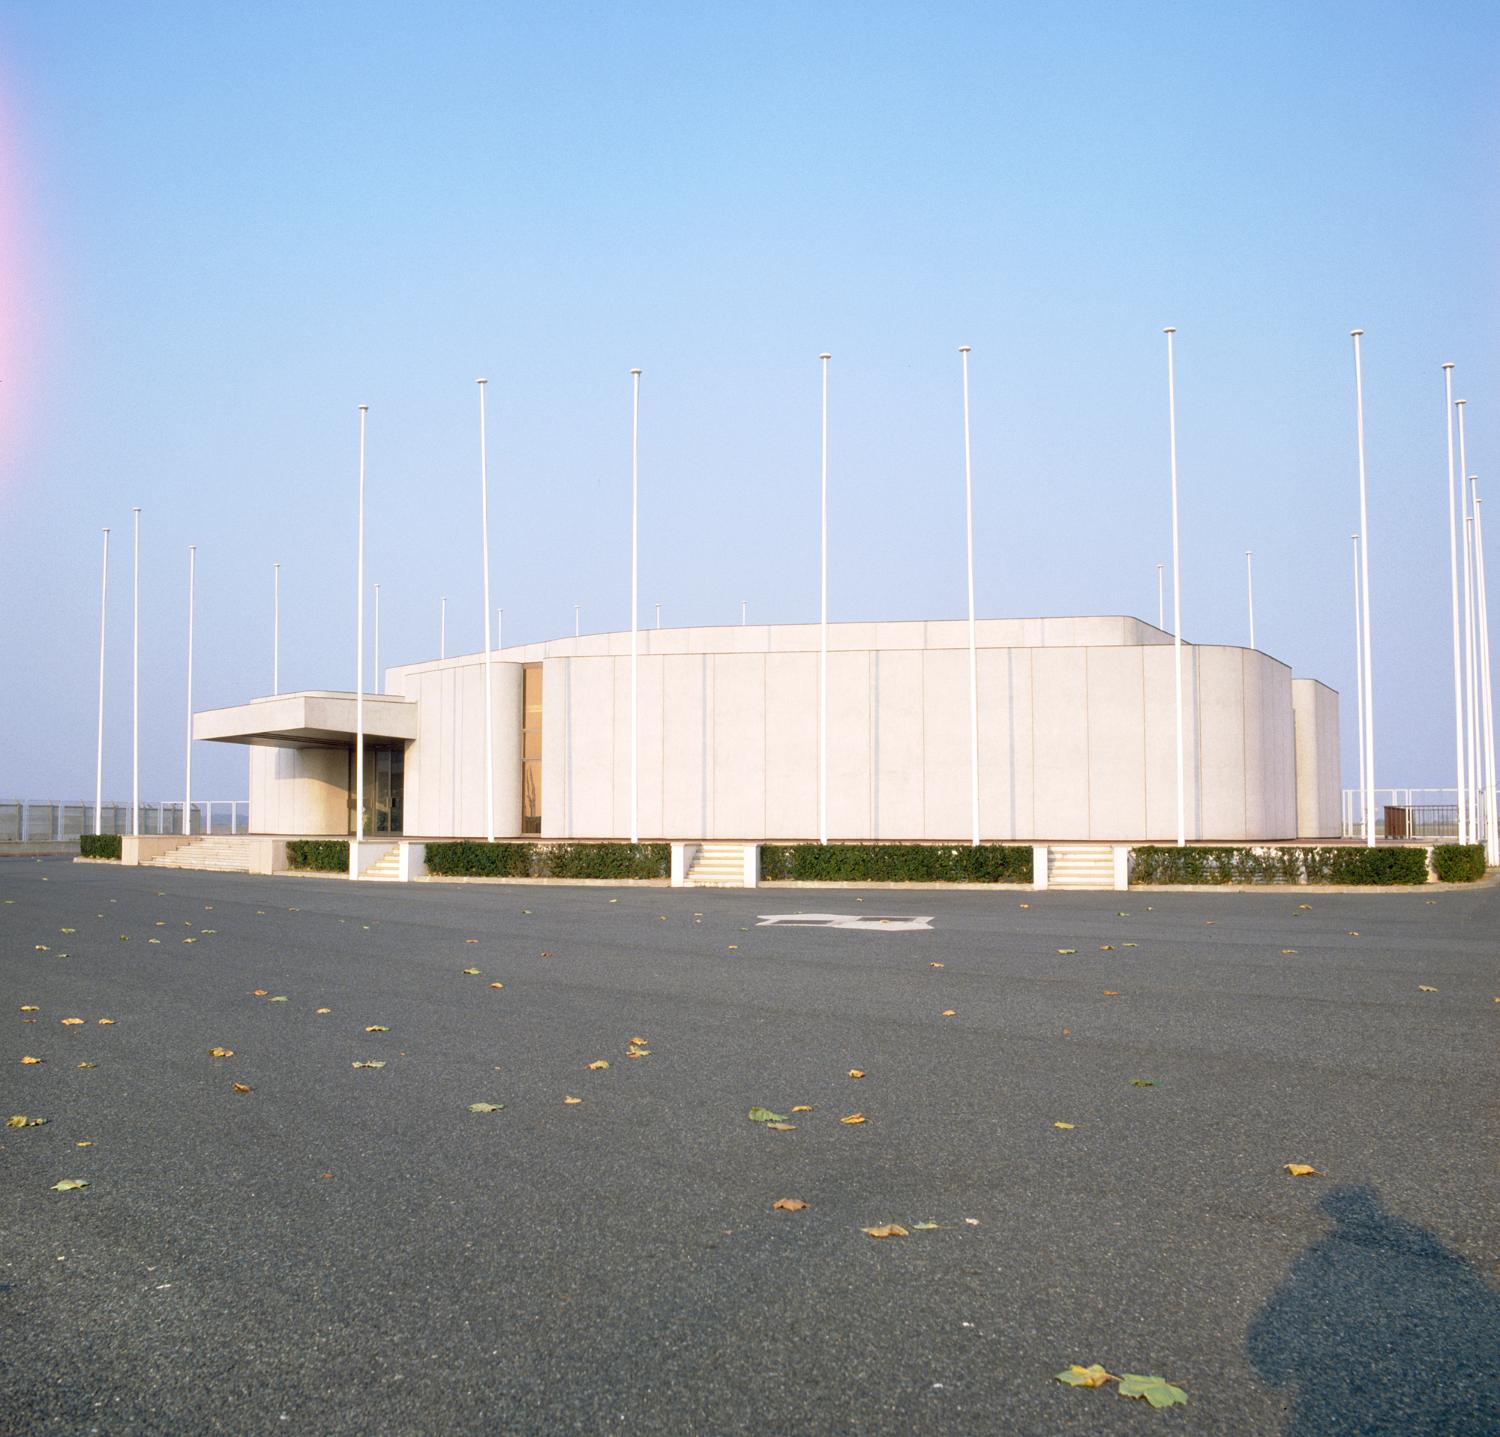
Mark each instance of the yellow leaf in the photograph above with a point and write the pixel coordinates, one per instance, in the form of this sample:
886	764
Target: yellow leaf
1304	905
733	946
377	1028
638	1052
788	1205
1302	1170
1067	1127
891	1229
1421	988
472	971
852	1119
497	985
807	1107
934	965
782	1127
1288	952
29	1061
242	1088
1106	947
30	1008
221	1052
17	1121
637	1042
571	1101
597	1064
1110	993
1091	1376
69	1022
856	1072
950	1012
88	1065
106	1022
84	1143
324	1010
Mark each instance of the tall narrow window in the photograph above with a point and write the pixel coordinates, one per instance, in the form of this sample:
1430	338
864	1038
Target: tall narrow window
531	749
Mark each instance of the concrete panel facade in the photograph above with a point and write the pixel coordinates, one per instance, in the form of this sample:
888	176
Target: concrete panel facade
1315	714
299	790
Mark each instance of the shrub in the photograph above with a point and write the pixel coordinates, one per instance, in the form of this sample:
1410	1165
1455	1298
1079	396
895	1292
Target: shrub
1458	862
322	855
99	845
896	863
470	858
1154	863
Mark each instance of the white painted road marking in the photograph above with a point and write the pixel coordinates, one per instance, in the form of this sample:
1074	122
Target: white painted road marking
864	922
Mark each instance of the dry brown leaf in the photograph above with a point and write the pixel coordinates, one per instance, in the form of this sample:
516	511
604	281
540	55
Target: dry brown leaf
84	1143
1421	988
30	1008
1110	993
1066	1127
1288	952
497	985
259	992
856	1072
950	1012
1106	947
934	965
471	940
221	1052
242	1087
106	1022
597	1064
891	1229
733	946
69	1022
788	1205
852	1119
571	1101
1301	1170
807	1107
637	1042
322	1011
1067	1032
377	1028
29	1061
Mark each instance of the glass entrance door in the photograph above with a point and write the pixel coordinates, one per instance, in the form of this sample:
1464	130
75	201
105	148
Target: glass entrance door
385	782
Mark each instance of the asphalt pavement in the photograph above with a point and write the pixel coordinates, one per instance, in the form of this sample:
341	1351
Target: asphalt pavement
347	1249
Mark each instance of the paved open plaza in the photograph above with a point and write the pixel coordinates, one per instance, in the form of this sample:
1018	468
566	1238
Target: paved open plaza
1079	1108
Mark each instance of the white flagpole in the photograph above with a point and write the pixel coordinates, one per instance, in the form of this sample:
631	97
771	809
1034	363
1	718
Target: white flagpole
99	741
359	664
577	620
1161	606
499	628
1471	723
489	698
635	590
1176	593
658	616
135	688
1364	586
973	646
375	685
187	780
1458	668
275	628
823	619
1492	828
1359	680
744	612
443	628
1250	590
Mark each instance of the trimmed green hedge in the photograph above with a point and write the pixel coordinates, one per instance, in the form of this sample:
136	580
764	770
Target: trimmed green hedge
1458	862
896	863
98	845
323	855
1347	864
469	858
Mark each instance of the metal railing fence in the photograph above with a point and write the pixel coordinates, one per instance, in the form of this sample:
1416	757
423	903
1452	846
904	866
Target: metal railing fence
56	821
1415	813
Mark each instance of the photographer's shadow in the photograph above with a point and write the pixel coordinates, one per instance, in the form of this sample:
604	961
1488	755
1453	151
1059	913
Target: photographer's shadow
1383	1332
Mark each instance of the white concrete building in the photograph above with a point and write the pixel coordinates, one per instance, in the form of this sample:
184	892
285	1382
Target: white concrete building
1076	739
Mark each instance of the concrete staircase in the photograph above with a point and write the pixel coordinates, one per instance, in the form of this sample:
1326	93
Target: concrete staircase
1080	865
386	868
213	854
718	865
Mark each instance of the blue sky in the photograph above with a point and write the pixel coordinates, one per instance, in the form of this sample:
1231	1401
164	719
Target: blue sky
225	227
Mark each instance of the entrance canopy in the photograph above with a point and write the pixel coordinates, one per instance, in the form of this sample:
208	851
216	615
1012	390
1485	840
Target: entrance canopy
308	720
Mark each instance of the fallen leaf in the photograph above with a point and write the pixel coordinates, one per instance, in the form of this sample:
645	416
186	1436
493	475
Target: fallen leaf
1301	1170
29	1061
68	1185
597	1064
1421	988
221	1052
242	1087
1067	1032
1156	1390
84	1143
1353	934
924	1226
322	1011
950	1012
1067	951
638	1052
106	1022
22	1121
782	1127
485	1107
807	1107
856	1072
259	992
377	1028
497	985
853	1119
1090	1376
88	1065
368	1063
69	1022
972	1221
636	1042
764	1115
1304	905
1130	945
279	998
1142	1083
891	1229
571	1101
473	971
1067	1127
1110	993
934	965
30	1008
733	946
1024	905
1106	947
67	930
471	940
788	1205
1288	952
